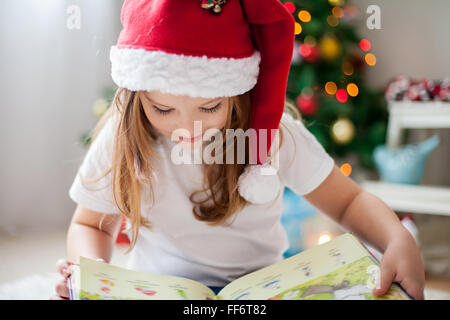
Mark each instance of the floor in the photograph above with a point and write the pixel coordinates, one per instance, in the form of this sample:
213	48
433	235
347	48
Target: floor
37	253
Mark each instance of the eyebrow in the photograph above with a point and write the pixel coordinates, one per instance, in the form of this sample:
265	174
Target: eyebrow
172	107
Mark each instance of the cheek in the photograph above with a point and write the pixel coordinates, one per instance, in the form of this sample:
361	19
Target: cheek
218	120
164	126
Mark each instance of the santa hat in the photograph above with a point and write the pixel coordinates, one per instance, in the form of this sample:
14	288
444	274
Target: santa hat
212	48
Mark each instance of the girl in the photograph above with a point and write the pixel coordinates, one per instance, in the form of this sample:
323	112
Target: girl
213	221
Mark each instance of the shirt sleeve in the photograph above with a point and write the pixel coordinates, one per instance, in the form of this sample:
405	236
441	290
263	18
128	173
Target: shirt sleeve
304	164
97	195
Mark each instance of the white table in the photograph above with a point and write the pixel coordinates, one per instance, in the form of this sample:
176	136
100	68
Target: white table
412	198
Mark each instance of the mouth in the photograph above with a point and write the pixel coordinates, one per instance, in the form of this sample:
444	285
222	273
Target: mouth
191	139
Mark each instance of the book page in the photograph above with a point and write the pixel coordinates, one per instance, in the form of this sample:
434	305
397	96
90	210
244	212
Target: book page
103	281
338	269
353	281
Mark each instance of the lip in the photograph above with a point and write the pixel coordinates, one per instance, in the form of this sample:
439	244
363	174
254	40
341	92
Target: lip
191	139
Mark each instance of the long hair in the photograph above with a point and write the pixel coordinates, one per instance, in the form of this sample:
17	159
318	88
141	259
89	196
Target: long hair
133	157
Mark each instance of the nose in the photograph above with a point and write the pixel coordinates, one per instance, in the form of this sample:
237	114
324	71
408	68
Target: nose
192	129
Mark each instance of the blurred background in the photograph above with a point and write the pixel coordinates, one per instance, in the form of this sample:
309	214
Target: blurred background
370	78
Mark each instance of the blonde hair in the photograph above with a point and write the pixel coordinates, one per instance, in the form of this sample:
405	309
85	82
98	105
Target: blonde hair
133	157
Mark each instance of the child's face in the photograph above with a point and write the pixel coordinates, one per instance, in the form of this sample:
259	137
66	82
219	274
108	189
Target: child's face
168	112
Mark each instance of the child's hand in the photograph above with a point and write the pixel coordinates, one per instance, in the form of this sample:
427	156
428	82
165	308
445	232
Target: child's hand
61	288
402	263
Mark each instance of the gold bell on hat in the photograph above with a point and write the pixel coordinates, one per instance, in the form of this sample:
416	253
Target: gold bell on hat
213	4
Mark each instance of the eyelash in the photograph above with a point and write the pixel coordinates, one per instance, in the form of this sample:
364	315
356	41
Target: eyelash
214	109
165	112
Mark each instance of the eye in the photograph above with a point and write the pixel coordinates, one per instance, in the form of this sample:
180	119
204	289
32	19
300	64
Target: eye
214	109
163	112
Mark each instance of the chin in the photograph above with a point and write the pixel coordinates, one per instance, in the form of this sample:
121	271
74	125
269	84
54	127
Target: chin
191	145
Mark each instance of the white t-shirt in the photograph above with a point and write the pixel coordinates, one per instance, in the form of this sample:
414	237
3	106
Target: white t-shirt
181	245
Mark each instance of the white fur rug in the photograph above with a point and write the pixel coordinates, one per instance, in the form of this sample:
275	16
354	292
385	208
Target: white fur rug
33	287
42	287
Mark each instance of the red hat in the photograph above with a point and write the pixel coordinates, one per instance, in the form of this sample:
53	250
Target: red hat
209	48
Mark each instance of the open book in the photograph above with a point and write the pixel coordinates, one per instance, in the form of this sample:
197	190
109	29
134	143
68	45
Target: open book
339	269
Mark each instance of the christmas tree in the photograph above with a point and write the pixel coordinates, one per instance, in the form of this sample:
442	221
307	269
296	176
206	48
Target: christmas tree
326	79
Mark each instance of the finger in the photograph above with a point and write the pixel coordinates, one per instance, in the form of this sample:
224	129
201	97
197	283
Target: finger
63	267
61	263
387	274
414	288
62	289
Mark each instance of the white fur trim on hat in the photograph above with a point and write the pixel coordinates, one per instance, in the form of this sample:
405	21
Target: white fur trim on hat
178	74
259	184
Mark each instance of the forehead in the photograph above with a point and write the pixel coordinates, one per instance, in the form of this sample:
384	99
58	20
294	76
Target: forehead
167	99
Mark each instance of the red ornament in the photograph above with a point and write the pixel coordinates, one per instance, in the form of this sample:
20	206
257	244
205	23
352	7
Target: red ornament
365	44
444	94
434	87
290	6
404	88
413	92
341	95
308	52
307	104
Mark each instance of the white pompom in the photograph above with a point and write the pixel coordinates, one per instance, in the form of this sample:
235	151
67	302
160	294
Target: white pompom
259	184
